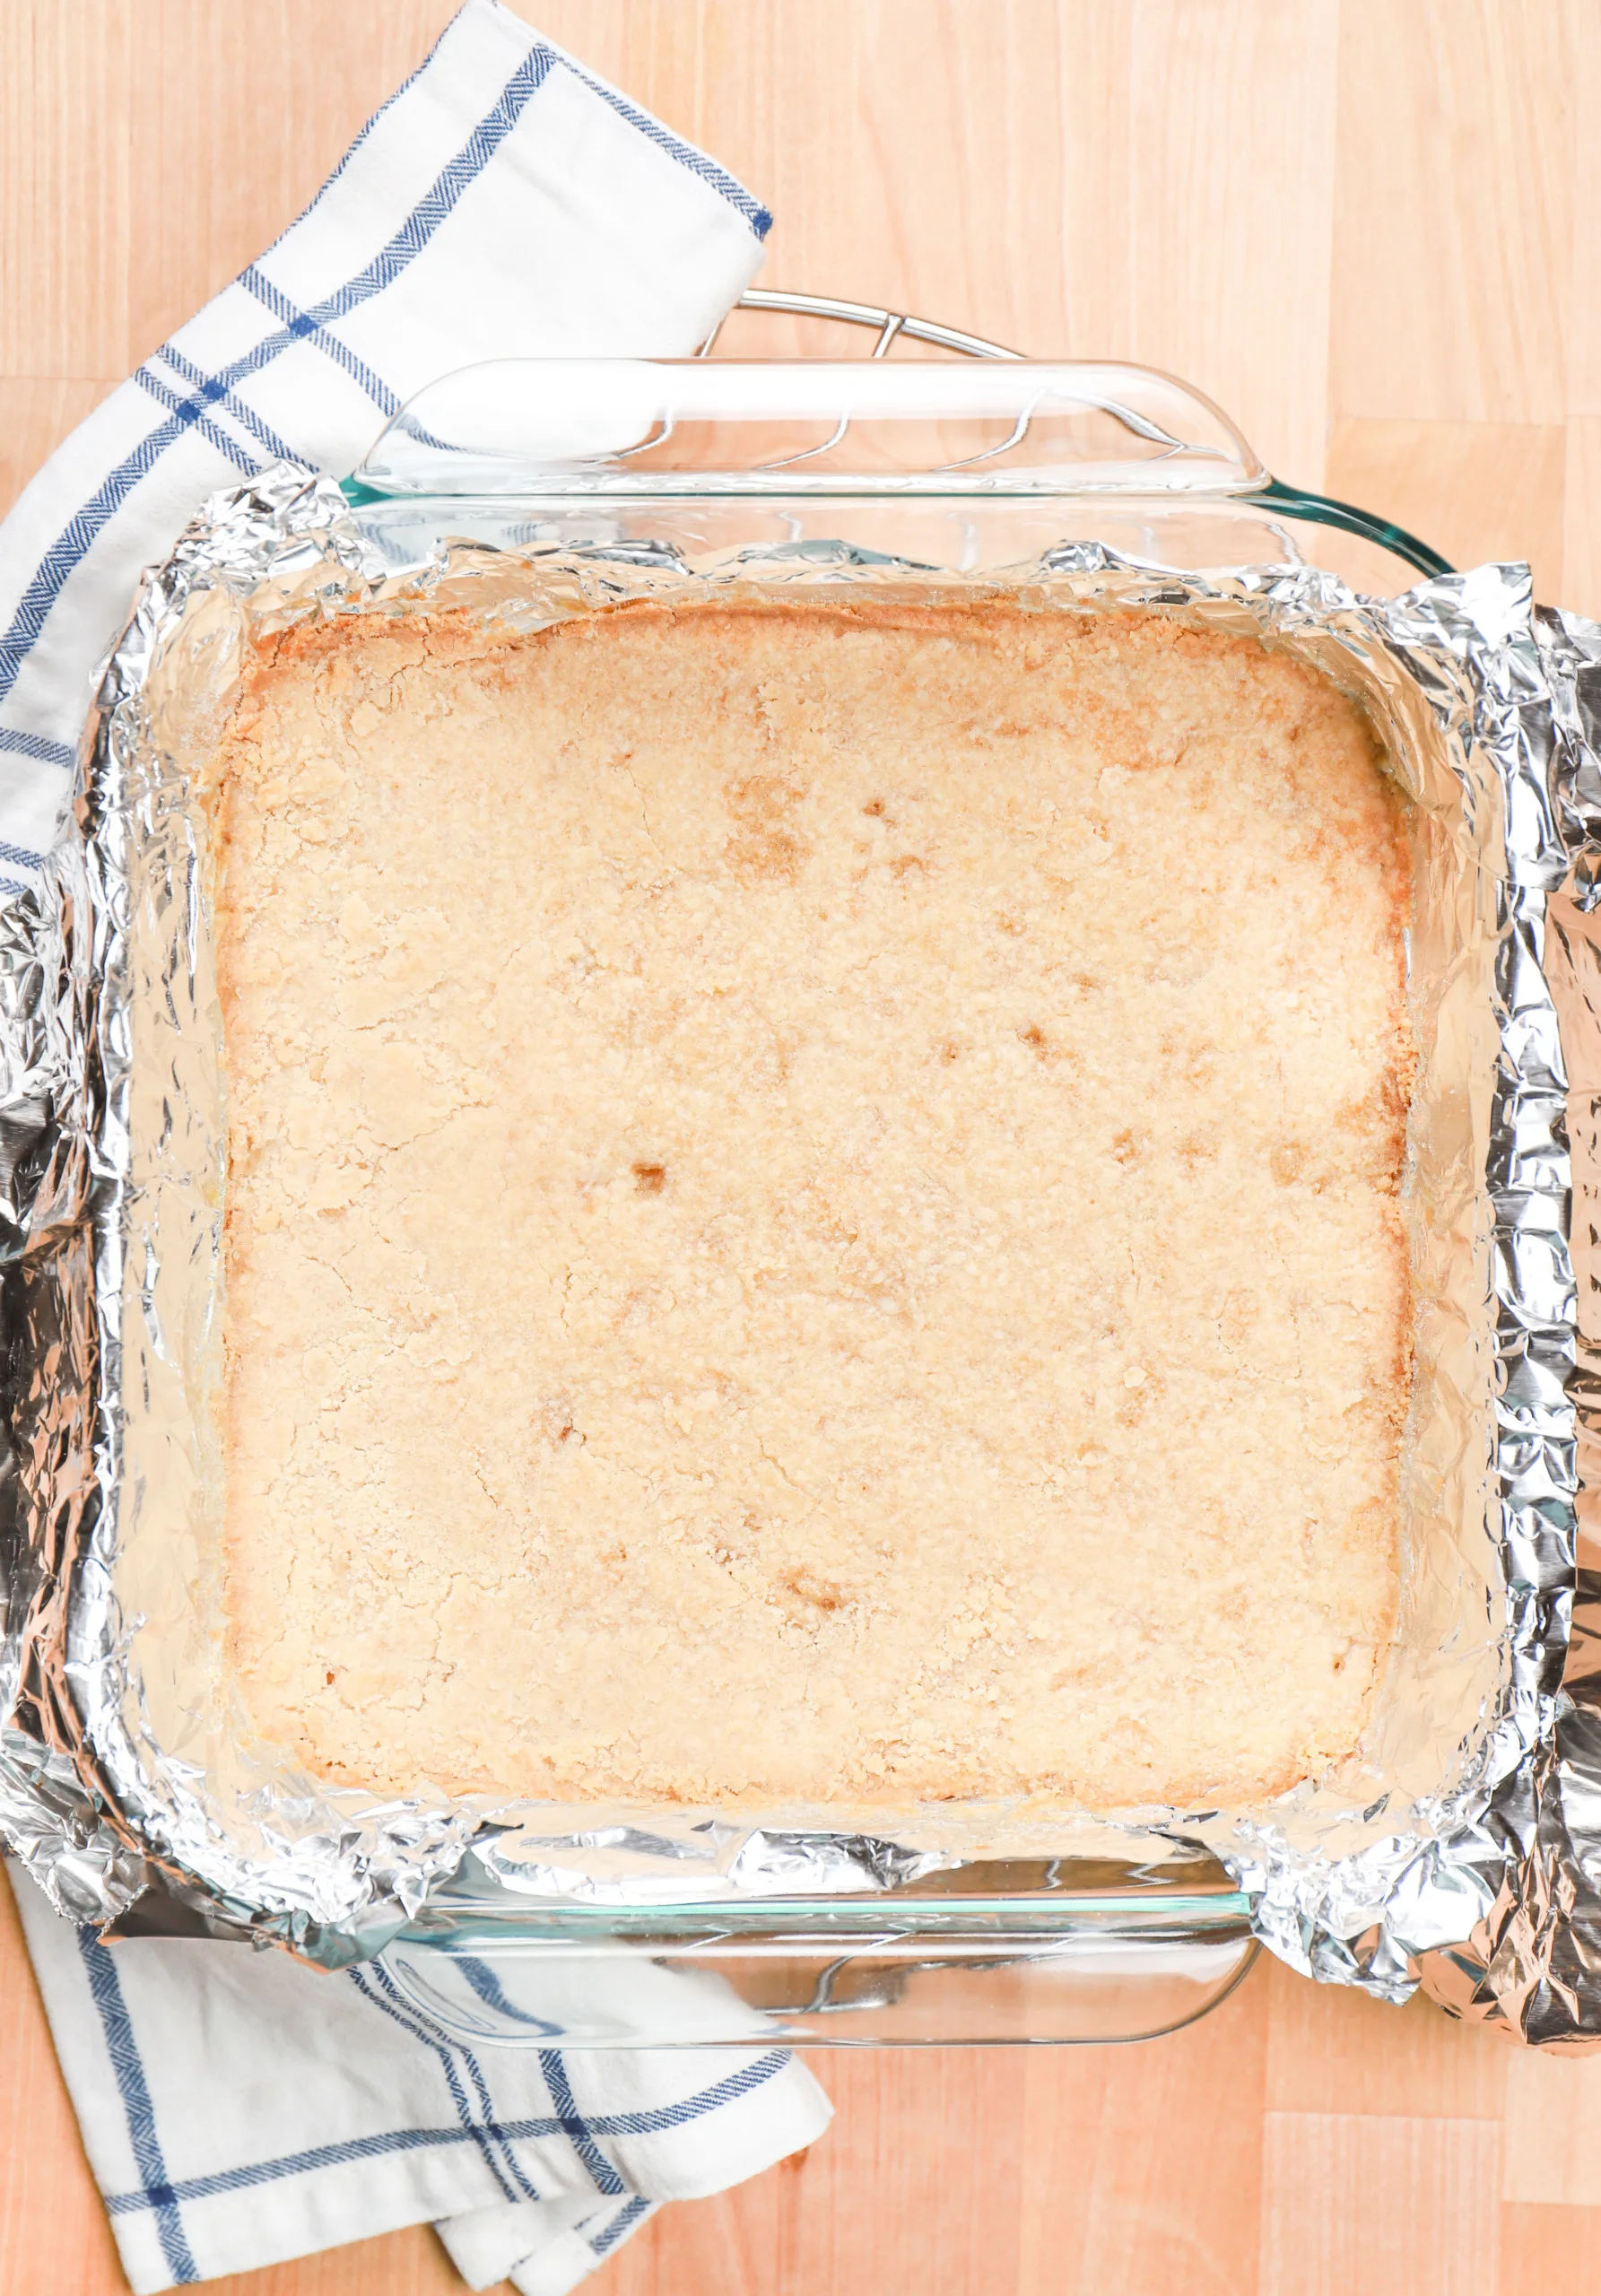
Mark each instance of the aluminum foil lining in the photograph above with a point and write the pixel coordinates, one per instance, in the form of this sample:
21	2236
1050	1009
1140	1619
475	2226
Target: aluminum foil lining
1461	1844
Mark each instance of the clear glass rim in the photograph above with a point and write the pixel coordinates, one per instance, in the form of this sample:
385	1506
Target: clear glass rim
1198	451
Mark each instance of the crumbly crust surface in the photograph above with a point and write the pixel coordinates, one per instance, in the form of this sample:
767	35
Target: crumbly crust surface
813	1204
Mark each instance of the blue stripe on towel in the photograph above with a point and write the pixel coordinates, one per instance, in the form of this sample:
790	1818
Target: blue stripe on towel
604	2175
188	408
709	2100
44	751
439	202
254	279
475	2071
436	204
216	393
339	2155
159	2194
486	1985
106	1987
71	544
485	2134
626	2218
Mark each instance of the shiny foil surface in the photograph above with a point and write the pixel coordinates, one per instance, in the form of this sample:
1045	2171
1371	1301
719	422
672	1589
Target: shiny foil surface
1460	1846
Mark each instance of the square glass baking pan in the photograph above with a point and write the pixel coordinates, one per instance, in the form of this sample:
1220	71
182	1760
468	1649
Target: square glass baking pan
612	478
967	467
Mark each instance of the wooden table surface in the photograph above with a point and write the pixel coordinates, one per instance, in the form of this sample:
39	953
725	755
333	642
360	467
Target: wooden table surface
1370	229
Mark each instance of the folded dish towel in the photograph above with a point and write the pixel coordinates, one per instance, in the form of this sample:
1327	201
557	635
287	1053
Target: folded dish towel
504	201
238	2108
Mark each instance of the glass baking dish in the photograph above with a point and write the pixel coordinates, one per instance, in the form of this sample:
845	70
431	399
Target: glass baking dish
972	465
969	465
1072	1950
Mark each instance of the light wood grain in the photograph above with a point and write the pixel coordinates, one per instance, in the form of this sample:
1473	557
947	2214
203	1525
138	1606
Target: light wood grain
1476	490
1330	2052
401	2264
1552	2249
1200	183
1581	515
64	193
1144	2165
1371	229
1354	2201
1553	2120
1453	229
1108	177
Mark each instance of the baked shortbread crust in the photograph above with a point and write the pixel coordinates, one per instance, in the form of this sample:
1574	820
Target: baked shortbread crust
813	1204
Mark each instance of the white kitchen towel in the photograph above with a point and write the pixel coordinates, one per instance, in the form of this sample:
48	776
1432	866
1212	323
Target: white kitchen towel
239	2109
504	203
